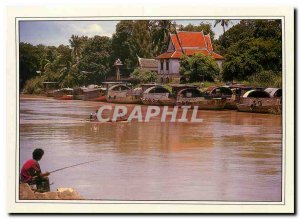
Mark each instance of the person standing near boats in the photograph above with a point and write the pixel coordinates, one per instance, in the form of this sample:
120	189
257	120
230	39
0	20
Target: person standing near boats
31	172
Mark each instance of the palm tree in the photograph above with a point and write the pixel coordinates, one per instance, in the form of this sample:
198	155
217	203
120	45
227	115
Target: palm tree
160	31
223	23
76	43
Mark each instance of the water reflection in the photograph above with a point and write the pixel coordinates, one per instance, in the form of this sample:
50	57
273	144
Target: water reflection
229	156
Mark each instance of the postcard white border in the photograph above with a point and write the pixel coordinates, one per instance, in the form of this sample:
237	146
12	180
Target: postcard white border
139	12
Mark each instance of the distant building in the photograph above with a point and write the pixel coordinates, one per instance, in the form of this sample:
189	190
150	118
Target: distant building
148	64
188	43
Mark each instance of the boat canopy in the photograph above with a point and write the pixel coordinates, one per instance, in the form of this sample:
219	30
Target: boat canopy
119	87
156	89
222	90
274	92
190	93
256	94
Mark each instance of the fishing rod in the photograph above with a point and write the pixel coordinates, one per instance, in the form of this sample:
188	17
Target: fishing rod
73	166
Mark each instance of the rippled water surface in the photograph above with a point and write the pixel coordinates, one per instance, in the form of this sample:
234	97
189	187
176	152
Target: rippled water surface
230	156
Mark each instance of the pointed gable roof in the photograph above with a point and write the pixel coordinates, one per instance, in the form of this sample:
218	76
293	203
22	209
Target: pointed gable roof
190	43
189	39
208	42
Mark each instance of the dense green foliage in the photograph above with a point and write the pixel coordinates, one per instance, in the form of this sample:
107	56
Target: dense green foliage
251	47
266	79
143	76
199	68
252	51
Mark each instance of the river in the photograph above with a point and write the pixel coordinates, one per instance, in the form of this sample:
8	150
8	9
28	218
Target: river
230	156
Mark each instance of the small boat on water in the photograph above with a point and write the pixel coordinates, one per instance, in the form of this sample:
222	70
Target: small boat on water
79	93
158	95
94	93
64	94
259	101
192	96
121	93
50	87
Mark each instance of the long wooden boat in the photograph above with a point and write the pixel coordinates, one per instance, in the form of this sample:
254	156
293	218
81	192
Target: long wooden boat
122	94
78	93
64	94
223	92
259	101
194	97
94	94
50	87
158	95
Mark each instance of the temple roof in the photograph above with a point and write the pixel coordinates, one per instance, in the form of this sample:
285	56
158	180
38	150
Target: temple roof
189	43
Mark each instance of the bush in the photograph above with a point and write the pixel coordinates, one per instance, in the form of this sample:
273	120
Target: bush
266	79
34	85
143	76
198	68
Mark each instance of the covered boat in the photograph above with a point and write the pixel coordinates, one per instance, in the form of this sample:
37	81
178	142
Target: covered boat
223	92
94	93
121	93
50	87
192	96
274	92
157	95
79	93
64	94
259	101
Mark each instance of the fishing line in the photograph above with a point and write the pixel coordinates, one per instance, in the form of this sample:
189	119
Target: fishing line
74	165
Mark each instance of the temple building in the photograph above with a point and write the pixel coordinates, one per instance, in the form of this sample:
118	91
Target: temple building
184	43
147	64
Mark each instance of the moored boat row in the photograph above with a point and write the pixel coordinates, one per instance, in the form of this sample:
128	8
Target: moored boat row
240	97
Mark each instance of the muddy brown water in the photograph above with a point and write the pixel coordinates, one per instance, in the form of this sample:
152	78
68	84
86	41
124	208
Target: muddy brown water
230	156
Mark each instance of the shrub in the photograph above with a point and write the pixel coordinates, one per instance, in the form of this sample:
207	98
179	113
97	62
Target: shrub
143	76
198	68
34	85
266	79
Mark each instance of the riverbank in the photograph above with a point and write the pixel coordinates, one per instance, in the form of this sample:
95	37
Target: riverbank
34	96
61	194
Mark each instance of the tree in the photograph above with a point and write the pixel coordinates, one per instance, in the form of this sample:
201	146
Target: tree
160	32
123	46
223	23
205	27
96	59
30	61
199	67
252	46
141	38
76	44
143	76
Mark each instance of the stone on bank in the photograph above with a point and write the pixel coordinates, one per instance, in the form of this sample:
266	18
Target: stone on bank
26	193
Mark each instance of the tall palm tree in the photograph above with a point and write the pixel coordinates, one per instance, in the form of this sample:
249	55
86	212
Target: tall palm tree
76	43
160	31
223	23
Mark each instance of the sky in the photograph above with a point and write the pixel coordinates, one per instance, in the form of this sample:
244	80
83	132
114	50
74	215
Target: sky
54	33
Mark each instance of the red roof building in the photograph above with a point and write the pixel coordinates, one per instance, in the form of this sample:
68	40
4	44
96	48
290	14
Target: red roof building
184	43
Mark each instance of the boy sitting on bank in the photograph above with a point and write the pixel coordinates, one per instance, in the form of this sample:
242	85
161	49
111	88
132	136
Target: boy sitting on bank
31	172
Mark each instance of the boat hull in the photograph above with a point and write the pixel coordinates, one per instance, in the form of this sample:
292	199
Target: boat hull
100	98
158	99
65	97
230	104
203	104
122	97
260	105
159	102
